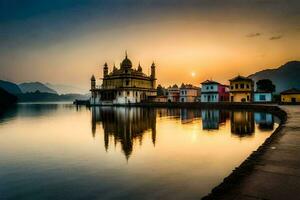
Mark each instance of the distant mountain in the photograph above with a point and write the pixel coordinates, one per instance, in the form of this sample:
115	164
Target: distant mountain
10	87
44	97
284	77
66	89
6	98
35	86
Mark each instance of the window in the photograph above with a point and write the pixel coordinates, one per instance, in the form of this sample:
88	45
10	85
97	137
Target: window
262	97
231	87
211	87
236	86
242	85
128	93
126	71
247	86
127	82
119	93
248	97
206	87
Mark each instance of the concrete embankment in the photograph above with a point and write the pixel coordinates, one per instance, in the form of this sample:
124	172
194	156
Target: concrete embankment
271	172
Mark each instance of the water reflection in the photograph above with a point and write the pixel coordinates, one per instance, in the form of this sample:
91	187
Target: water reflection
265	121
126	125
77	153
242	123
212	119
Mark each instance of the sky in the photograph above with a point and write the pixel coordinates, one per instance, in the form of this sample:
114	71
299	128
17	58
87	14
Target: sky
67	41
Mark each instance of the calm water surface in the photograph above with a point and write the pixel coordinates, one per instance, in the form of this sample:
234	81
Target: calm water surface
58	151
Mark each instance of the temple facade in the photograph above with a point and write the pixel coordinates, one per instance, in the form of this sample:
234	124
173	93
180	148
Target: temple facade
123	85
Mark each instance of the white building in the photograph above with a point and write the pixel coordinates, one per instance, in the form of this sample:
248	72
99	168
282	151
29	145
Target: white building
173	93
209	91
263	96
188	93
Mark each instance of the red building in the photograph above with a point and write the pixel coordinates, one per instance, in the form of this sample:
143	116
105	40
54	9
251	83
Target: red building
223	91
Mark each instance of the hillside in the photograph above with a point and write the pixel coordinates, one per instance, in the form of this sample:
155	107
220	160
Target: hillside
6	98
284	77
35	86
47	97
66	89
10	87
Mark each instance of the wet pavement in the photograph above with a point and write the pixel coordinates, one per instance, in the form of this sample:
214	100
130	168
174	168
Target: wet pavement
276	175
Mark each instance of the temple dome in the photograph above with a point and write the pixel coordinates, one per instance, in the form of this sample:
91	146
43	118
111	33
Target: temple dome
126	63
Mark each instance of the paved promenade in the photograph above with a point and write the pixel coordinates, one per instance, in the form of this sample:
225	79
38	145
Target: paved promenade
276	175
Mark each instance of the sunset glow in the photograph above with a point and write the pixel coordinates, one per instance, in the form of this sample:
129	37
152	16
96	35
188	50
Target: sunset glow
66	43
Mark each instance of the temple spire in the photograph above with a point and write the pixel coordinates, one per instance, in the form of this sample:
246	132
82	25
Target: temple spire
126	54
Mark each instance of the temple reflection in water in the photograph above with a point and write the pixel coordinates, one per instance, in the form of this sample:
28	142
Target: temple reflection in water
126	126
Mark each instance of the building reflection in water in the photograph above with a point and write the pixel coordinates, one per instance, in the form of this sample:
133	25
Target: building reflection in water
188	115
242	123
212	119
125	125
185	115
265	121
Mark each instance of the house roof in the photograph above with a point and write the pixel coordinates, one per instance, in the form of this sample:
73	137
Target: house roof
240	78
209	82
188	86
291	91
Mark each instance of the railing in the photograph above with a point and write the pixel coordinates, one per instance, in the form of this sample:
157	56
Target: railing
106	87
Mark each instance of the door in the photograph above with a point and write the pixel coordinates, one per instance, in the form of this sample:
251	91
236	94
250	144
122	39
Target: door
293	100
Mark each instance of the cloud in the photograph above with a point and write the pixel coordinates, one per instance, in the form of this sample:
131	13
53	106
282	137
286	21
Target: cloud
278	37
251	35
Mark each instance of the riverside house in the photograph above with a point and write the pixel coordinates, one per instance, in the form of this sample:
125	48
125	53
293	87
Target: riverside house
290	96
188	93
241	89
212	91
263	96
173	93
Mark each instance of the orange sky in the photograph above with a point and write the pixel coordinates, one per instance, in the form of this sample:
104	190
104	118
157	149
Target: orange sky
215	42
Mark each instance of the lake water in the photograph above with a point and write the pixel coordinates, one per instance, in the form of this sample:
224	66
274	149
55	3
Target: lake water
58	151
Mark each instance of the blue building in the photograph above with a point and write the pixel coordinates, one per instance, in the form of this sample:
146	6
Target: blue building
263	96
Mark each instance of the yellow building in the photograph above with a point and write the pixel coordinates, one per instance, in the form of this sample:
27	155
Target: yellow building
290	96
241	89
124	85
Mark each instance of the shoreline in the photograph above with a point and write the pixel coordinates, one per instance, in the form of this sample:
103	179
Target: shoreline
248	165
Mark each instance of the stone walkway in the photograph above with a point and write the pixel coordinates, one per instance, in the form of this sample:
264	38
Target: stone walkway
276	175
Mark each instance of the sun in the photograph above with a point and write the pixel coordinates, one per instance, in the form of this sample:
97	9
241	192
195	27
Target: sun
193	74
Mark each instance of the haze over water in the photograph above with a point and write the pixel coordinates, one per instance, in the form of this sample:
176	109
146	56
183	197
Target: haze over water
58	151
